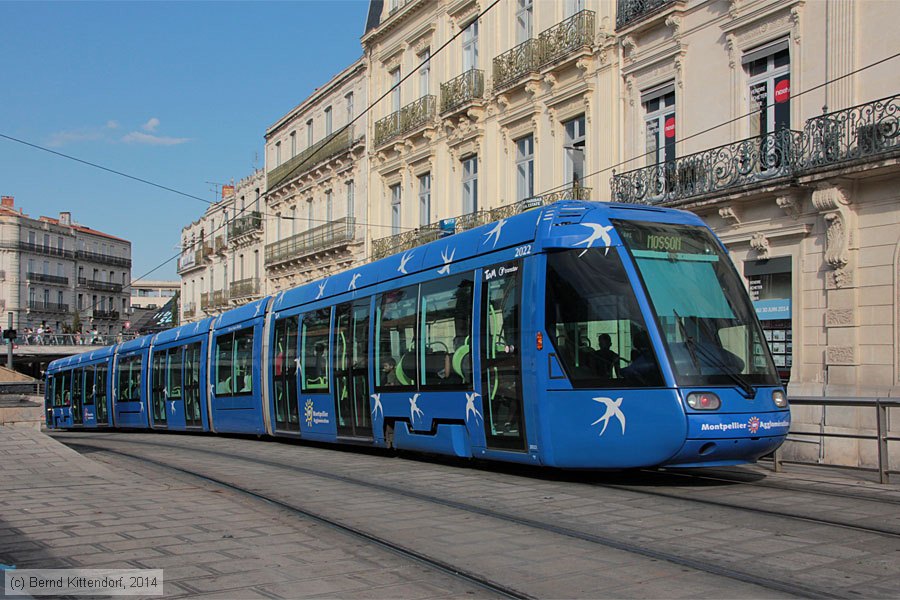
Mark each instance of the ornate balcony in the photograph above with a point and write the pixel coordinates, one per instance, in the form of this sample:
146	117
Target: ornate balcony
105	259
244	288
566	37
221	244
190	309
408	118
306	160
54	307
433	231
112	315
859	132
96	284
245	225
630	11
516	63
324	237
462	90
746	162
204	253
219	299
204	301
41	278
48	250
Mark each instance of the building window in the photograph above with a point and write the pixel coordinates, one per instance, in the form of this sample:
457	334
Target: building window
470	185
574	7
769	72
293	154
351	209
524	20
309	133
395	209
329	206
395	89
277	154
424	72
470	46
525	167
659	121
309	214
425	199
574	151
328	122
350	108
293	220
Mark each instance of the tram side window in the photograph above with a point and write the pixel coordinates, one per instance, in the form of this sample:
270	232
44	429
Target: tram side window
89	386
173	374
234	363
130	379
100	385
595	323
315	348
65	394
395	352
446	331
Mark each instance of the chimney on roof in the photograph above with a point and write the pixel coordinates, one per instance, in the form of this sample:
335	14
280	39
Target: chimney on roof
65	218
7	201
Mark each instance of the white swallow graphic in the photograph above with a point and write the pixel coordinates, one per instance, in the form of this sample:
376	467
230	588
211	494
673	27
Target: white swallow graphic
173	407
447	260
352	285
470	407
599	233
177	334
415	410
495	232
403	260
612	410
321	289
259	308
378	408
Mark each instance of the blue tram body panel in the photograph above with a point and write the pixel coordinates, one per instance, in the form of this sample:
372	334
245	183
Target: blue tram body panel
177	409
132	412
640	417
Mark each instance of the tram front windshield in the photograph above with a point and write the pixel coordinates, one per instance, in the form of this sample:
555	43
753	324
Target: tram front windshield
705	317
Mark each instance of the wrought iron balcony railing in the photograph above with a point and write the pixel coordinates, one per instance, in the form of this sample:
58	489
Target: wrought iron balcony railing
868	130
411	116
549	47
96	284
40	277
187	261
244	225
323	237
629	11
461	90
740	163
190	309
54	307
433	231
306	160
862	131
567	36
219	298
48	250
205	252
244	288
220	244
204	301
103	258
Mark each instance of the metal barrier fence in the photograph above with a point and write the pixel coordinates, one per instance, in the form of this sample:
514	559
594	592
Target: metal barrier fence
881	437
71	339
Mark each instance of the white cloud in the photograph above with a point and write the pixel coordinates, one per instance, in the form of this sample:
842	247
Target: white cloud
137	137
112	124
85	134
151	125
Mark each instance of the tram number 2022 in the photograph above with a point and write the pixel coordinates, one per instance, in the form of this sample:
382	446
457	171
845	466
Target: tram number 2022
523	250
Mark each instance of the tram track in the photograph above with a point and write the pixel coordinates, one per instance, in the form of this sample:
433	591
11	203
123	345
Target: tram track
705	566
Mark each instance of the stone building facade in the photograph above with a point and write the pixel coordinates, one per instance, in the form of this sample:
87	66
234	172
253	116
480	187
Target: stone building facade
59	274
317	175
221	260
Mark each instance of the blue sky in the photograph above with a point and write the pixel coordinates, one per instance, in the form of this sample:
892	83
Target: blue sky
177	93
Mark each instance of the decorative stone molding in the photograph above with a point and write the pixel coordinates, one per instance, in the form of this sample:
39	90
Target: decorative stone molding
840	355
760	243
550	81
532	88
502	102
790	204
587	108
583	64
629	89
840	317
628	46
674	21
832	202
730	215
731	47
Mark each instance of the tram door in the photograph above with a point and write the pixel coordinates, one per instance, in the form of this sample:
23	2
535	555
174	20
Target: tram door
284	360
158	389
100	399
351	343
90	408
501	358
77	397
192	416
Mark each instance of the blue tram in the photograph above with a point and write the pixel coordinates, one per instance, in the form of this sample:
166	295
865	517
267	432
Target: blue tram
578	335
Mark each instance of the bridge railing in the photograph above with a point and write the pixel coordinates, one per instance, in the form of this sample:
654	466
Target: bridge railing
881	437
70	339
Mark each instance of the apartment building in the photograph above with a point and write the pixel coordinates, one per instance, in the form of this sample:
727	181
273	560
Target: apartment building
317	163
58	273
221	264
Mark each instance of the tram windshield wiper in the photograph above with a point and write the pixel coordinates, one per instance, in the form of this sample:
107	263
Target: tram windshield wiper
711	358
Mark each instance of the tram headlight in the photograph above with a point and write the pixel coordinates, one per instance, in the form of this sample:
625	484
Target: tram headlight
779	399
703	401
